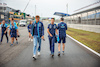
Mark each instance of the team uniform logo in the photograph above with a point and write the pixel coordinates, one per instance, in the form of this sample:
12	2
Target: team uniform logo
3	26
62	26
54	26
50	26
13	27
39	24
34	25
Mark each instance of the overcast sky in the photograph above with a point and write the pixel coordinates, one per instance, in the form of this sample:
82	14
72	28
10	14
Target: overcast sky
46	8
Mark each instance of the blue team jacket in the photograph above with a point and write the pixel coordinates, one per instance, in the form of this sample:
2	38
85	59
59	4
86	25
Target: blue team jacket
40	28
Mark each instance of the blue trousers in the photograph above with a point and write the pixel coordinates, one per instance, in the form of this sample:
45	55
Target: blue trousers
36	40
52	42
2	34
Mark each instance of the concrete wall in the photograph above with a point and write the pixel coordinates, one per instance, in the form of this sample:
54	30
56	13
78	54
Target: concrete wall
92	28
86	27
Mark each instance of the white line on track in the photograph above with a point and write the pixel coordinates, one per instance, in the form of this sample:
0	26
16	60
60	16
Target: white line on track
84	46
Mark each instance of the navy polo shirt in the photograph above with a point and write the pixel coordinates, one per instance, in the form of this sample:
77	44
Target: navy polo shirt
62	27
52	28
35	29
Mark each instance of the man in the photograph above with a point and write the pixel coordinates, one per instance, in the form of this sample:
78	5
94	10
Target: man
12	21
13	32
62	27
52	31
4	30
38	32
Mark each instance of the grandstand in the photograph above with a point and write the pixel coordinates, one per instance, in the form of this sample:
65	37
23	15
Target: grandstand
89	16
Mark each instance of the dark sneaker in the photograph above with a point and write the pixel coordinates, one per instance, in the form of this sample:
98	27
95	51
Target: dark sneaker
63	52
58	54
17	42
52	55
11	44
7	41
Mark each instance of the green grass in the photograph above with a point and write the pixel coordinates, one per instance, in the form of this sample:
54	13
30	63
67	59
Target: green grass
89	39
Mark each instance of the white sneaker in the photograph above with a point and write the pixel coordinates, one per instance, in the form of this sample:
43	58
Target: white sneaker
38	53
34	56
31	39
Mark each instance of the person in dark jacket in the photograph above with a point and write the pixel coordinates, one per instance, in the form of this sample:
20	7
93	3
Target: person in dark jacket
38	32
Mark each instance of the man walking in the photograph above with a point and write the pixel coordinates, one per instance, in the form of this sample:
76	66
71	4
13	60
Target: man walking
13	32
12	21
62	27
4	30
38	32
52	31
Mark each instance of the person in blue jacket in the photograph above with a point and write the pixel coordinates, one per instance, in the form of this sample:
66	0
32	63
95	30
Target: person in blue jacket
29	30
13	32
4	30
38	32
62	27
52	31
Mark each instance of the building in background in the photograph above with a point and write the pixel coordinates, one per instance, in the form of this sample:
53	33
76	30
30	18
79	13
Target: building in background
89	16
6	13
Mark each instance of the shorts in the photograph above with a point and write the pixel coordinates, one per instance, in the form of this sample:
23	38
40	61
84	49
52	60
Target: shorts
29	30
63	39
13	35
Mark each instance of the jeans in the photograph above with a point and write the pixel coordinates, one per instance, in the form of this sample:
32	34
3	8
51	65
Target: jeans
36	39
52	42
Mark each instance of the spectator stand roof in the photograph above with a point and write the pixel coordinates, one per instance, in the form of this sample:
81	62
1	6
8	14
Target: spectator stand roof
91	9
61	14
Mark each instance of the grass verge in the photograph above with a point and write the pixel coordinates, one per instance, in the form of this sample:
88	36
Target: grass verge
89	39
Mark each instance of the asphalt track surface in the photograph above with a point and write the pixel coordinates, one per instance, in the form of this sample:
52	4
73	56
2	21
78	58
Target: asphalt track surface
75	56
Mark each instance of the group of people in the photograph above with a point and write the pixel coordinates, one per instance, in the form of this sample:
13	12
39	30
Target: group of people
13	31
36	31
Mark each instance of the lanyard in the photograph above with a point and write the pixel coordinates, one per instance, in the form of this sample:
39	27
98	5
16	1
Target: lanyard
38	29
